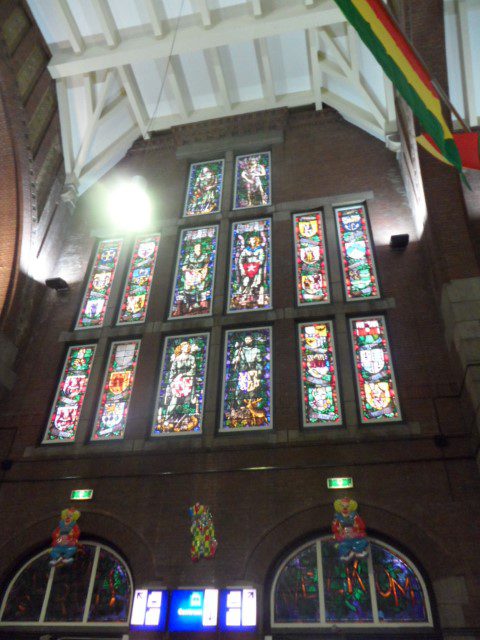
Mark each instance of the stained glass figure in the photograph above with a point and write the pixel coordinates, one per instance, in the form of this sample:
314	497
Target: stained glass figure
100	282
67	406
111	590
312	274
252	181
139	279
347	590
321	403
376	386
195	273
359	273
180	398
399	592
250	285
112	412
296	590
204	191
247	389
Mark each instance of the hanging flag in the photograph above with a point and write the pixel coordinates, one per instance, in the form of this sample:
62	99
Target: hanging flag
468	145
395	55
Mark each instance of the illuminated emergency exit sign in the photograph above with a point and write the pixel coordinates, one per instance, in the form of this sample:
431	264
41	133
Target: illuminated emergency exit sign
339	483
81	494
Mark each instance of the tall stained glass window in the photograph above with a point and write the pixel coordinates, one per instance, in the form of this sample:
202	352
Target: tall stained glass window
320	397
204	190
315	588
250	285
139	279
195	273
252	181
100	282
312	274
376	386
67	406
180	397
112	412
359	273
247	382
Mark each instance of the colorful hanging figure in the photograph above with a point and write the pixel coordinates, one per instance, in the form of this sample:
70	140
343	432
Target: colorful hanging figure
349	530
65	538
204	543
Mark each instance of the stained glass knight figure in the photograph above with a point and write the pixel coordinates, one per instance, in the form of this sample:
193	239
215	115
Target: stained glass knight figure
251	263
195	271
252	175
181	386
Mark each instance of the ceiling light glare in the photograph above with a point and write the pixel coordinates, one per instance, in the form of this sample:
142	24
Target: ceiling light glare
129	205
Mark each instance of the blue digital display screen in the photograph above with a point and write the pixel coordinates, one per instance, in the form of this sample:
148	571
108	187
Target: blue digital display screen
149	610
193	610
238	610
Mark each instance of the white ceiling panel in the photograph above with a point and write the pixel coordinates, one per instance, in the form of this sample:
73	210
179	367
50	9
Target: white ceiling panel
288	57
197	77
242	72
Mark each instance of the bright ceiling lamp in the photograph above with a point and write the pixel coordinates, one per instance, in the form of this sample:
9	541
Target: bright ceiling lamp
129	205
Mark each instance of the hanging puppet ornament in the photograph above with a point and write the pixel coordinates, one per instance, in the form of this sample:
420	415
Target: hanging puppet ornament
204	543
349	530
65	538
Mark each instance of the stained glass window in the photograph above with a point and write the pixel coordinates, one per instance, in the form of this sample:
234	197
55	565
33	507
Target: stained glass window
100	282
312	274
139	279
180	398
250	285
117	389
204	191
195	273
67	406
376	386
359	273
247	388
252	181
320	397
315	588
95	588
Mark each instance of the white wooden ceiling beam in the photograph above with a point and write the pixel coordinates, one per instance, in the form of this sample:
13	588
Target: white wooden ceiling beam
316	75
72	30
282	18
135	99
257	8
179	87
155	19
89	93
107	22
265	70
93	120
65	124
468	81
204	11
354	114
218	79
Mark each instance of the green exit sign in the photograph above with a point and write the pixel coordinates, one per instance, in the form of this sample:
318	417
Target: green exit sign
340	483
81	494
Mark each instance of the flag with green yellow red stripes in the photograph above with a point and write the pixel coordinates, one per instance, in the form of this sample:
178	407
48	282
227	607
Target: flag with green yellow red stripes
395	55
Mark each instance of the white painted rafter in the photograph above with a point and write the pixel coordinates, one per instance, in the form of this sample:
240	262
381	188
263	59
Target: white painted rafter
257	8
265	69
218	80
204	11
155	18
179	87
72	31
468	78
107	22
129	82
282	18
316	75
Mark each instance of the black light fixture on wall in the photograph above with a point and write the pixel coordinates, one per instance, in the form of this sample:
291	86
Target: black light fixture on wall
399	242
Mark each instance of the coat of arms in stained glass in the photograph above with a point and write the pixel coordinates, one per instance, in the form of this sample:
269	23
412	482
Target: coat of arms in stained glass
312	275
359	273
250	285
139	280
204	190
67	406
247	384
195	273
112	412
180	398
320	396
252	181
375	377
100	282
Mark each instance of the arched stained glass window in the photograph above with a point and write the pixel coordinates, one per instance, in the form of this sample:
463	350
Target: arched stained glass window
314	588
95	589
